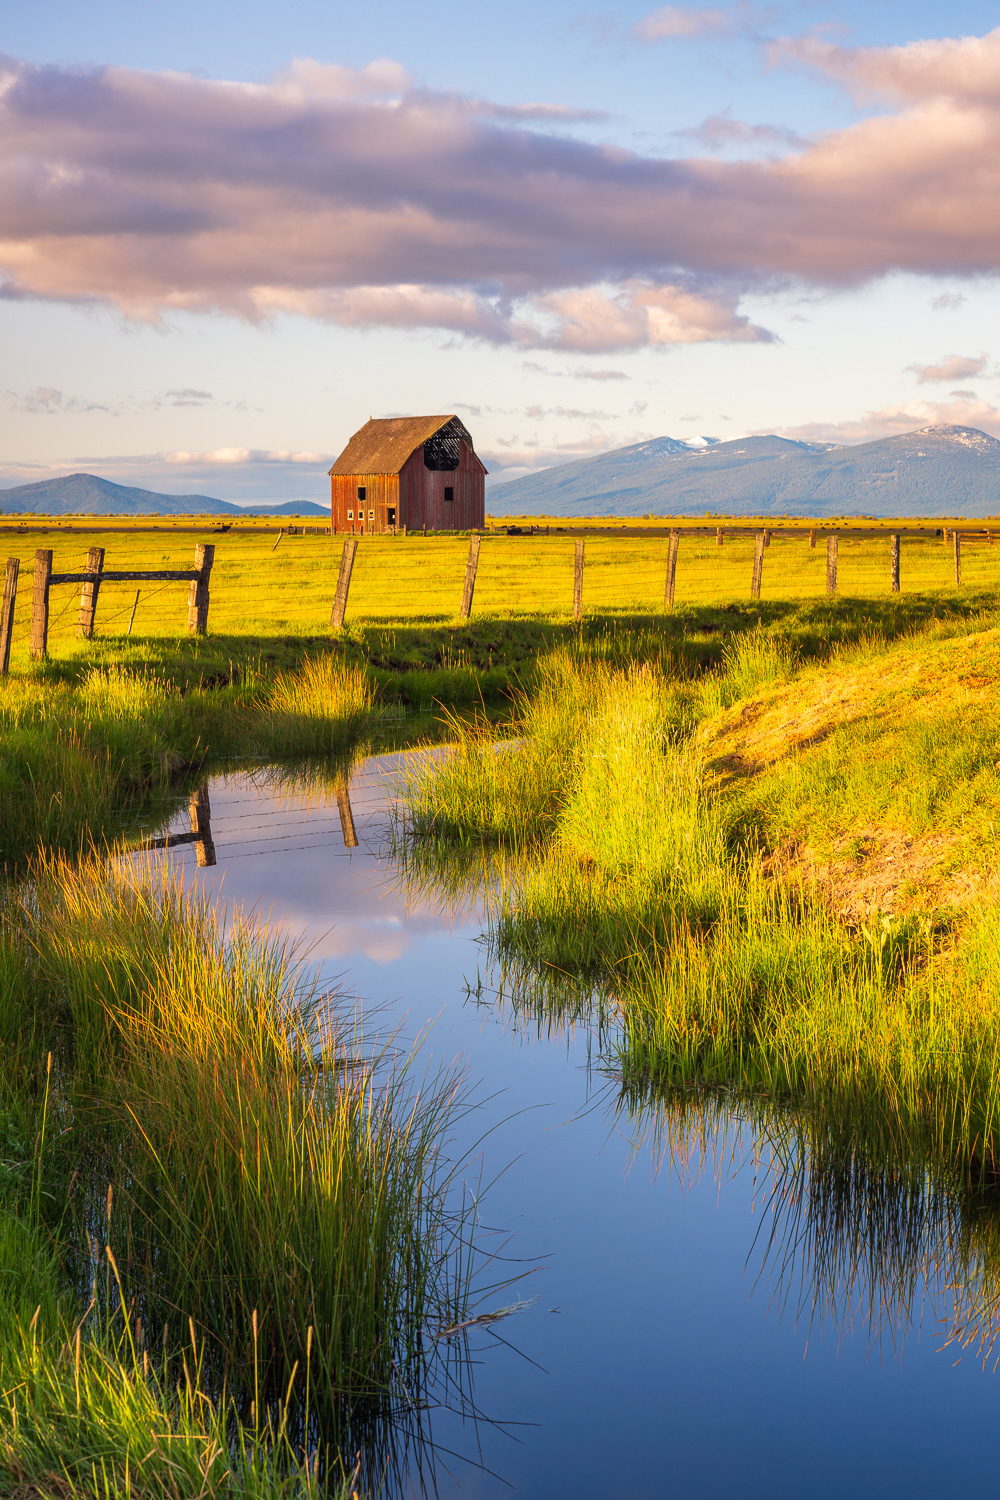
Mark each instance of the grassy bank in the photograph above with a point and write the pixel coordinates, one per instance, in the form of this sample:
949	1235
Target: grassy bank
82	753
227	1246
785	870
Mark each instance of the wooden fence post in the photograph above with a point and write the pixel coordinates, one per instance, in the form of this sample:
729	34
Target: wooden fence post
956	541
831	564
200	812
668	592
347	827
470	577
88	595
7	617
894	555
758	565
204	556
38	636
343	583
718	536
812	538
578	582
767	538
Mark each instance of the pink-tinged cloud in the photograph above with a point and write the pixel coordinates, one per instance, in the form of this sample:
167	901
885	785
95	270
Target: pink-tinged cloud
354	198
964	410
672	21
965	67
723	132
954	367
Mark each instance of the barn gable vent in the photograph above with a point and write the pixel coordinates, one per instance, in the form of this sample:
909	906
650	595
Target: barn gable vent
443	451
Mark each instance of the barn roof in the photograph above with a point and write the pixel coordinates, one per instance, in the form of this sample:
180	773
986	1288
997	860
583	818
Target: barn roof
383	444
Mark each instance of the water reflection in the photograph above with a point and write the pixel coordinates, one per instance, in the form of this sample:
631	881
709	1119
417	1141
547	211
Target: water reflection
200	834
692	1245
847	1237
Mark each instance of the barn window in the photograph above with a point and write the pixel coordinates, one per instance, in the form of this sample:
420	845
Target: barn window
371	515
443	450
449	493
362	492
350	515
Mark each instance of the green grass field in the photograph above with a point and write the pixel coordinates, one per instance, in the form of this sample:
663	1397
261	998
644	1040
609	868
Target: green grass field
266	592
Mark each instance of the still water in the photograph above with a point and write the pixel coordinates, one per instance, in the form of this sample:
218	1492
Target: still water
708	1320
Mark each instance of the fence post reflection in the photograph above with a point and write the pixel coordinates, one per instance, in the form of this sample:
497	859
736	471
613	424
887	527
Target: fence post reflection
346	816
200	811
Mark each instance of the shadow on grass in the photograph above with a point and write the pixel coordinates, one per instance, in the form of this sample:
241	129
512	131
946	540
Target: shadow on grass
494	651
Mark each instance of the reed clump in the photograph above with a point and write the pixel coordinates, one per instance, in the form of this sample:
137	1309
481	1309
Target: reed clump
80	755
658	871
218	1149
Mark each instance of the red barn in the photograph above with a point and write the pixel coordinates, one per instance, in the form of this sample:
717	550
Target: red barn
408	471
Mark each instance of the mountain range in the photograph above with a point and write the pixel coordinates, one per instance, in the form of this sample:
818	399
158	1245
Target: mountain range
935	471
87	494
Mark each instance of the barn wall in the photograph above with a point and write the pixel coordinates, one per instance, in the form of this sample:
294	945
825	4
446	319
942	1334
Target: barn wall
421	494
383	492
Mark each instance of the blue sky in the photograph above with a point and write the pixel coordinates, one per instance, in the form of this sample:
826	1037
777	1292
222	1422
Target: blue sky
209	289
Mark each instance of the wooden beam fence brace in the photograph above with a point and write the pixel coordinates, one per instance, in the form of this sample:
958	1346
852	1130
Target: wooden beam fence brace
92	577
668	592
578	581
7	614
471	568
831	564
343	583
894	560
758	565
88	595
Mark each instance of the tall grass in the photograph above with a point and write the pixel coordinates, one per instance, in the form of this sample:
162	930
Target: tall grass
652	874
78	757
255	1173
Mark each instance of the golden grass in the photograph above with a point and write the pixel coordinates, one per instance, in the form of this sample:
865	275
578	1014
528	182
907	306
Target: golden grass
258	591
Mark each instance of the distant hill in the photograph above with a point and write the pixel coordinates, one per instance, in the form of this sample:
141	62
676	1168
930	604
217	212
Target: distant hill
286	508
936	471
88	494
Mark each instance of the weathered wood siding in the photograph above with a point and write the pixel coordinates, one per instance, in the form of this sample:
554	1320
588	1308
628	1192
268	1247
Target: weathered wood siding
381	495
421	494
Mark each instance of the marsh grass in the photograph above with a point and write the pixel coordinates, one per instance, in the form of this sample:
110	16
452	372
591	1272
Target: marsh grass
257	1171
77	757
650	871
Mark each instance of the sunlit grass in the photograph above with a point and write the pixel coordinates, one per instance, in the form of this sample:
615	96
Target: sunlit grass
655	867
252	1195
